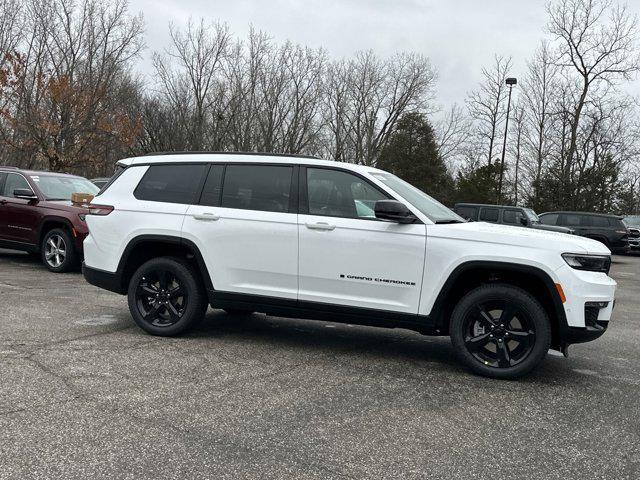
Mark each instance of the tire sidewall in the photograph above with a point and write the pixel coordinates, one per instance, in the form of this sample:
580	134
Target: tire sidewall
196	303
524	300
71	258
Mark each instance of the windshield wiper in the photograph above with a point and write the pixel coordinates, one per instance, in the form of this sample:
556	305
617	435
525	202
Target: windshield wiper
56	199
448	220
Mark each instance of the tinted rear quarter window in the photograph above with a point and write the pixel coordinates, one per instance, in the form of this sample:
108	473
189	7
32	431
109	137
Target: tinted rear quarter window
257	187
600	222
489	214
171	183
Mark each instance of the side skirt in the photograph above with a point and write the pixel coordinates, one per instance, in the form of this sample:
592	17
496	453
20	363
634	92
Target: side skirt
322	311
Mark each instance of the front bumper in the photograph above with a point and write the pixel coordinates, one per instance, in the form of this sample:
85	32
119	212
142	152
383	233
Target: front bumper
583	288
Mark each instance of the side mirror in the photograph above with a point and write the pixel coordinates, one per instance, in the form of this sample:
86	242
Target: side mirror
393	211
524	221
25	193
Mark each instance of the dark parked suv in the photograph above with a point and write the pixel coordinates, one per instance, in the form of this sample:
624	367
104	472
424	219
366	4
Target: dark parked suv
504	214
608	229
38	216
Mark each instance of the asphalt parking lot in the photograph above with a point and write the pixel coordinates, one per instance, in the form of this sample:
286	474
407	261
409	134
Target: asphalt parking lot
85	394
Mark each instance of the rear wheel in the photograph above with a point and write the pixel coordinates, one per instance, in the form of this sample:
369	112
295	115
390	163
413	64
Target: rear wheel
166	297
500	331
58	252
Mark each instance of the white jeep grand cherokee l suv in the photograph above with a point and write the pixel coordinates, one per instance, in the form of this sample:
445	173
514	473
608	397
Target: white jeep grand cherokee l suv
298	237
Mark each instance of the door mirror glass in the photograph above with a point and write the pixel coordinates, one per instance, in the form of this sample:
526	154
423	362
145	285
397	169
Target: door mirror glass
24	193
394	211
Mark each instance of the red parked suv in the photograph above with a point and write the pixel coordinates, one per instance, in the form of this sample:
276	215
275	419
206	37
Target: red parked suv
38	216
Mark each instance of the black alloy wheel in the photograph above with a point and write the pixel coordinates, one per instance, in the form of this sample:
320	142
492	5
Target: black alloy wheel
500	331
161	298
166	296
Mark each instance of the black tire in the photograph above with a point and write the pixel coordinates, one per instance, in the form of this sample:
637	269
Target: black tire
234	312
500	331
58	252
166	297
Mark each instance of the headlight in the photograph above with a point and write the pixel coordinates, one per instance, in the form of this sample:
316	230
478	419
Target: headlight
592	263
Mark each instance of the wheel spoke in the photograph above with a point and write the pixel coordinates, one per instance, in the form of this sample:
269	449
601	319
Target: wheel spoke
485	318
176	292
504	355
507	315
476	343
173	313
48	255
147	290
520	335
52	243
152	313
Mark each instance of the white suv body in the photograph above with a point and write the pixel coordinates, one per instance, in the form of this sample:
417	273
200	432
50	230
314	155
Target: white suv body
297	236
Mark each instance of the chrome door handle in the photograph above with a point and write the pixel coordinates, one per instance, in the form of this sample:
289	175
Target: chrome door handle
207	217
320	226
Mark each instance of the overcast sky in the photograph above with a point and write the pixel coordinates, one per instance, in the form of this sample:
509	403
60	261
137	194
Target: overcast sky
459	36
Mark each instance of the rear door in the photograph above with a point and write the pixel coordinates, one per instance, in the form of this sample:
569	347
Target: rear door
347	256
245	225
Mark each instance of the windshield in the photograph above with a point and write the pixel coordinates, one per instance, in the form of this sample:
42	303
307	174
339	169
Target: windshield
61	188
632	221
434	210
531	215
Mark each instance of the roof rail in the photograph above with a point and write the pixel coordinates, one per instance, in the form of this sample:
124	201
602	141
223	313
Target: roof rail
269	154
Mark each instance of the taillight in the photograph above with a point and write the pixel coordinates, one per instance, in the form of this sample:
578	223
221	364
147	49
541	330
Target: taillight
100	209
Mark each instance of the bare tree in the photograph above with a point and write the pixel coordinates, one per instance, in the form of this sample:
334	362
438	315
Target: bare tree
598	44
452	132
486	105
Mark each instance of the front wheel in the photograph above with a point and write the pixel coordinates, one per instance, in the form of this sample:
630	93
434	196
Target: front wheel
166	297
500	331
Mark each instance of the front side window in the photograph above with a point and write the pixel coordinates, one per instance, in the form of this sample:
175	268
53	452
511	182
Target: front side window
265	188
512	217
431	208
14	182
336	193
55	187
171	183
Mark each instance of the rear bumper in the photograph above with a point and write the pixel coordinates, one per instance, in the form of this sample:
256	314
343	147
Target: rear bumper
106	280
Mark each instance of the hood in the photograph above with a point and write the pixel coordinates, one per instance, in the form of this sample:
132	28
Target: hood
525	237
552	228
64	205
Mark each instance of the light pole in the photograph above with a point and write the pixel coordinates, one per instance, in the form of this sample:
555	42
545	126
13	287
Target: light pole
511	81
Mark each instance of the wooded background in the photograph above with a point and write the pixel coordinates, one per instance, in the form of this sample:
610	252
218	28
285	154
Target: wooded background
70	101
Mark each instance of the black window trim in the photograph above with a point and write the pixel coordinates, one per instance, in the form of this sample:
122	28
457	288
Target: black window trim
304	197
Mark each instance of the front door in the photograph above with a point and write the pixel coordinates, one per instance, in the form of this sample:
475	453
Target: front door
19	217
246	228
346	255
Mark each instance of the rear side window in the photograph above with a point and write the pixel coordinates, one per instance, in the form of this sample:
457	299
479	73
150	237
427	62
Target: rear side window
489	214
601	222
212	192
572	220
257	187
550	219
467	212
171	183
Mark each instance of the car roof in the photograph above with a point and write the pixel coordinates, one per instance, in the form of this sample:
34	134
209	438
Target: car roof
240	157
564	212
36	172
464	204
